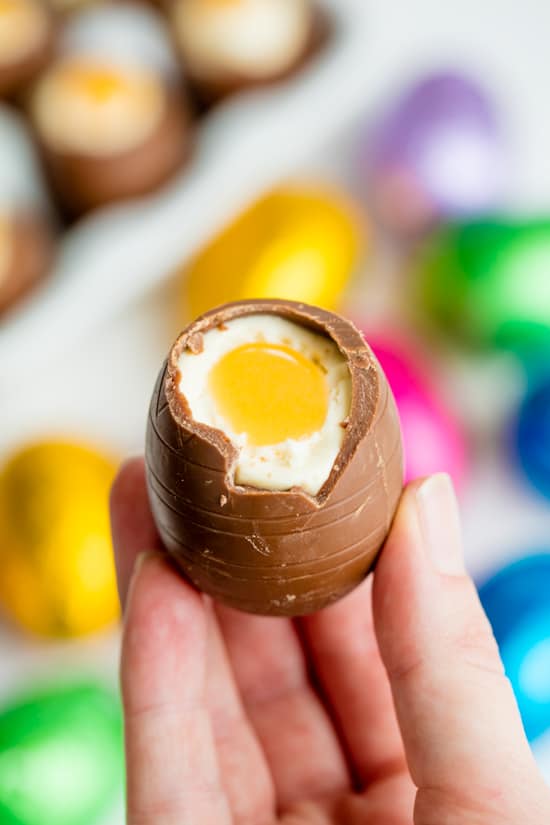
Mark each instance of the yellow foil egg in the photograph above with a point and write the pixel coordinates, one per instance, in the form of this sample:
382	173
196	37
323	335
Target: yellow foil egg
56	559
298	243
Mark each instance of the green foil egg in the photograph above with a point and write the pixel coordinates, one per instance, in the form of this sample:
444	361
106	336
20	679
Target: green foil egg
487	282
61	757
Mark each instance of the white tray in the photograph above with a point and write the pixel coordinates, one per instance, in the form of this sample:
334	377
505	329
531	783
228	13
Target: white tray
243	147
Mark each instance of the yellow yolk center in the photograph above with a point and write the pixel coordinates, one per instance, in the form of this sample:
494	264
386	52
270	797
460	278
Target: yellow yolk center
95	83
270	392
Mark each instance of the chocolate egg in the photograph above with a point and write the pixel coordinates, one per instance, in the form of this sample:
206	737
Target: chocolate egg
58	577
299	242
486	282
61	755
274	457
229	45
531	433
108	129
433	439
438	152
26	254
26	42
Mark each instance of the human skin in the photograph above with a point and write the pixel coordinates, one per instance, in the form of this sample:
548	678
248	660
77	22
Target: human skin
387	708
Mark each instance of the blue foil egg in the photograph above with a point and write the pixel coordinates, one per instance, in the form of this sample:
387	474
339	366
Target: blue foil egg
439	152
532	437
517	602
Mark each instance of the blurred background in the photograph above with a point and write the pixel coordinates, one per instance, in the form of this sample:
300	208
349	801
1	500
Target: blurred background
385	160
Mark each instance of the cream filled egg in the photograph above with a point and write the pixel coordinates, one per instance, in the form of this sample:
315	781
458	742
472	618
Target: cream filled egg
255	39
98	107
24	25
279	391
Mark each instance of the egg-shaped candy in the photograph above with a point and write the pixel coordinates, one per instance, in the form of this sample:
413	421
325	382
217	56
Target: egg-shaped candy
516	601
298	242
532	436
486	282
58	575
61	755
109	129
228	45
439	152
433	440
273	455
27	32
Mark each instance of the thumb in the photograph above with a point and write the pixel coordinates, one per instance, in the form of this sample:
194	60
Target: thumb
461	728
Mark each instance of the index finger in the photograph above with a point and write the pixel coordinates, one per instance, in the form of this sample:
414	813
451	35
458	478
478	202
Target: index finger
132	525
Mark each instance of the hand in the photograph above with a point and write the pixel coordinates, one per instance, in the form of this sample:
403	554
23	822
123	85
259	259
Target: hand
336	718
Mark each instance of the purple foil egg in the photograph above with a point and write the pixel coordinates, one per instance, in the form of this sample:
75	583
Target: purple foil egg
438	153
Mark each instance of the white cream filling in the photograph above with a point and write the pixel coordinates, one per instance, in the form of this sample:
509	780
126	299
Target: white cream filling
69	119
24	24
304	463
256	38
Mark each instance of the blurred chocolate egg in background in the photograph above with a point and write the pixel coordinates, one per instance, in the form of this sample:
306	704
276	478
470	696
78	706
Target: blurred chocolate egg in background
159	158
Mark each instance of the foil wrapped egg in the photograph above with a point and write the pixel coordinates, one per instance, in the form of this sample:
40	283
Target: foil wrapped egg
27	34
61	755
486	283
299	243
532	436
273	455
515	599
438	153
58	577
433	440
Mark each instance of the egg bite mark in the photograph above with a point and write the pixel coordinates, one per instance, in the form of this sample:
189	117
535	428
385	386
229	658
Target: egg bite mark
270	392
279	392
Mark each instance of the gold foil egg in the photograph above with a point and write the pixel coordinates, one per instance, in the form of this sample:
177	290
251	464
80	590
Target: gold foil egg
298	243
58	576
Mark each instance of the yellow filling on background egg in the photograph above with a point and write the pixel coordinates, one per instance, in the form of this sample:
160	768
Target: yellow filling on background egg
94	106
23	25
270	392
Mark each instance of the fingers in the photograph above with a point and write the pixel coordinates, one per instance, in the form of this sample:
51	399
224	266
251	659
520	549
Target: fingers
132	524
461	728
345	655
244	771
297	736
172	770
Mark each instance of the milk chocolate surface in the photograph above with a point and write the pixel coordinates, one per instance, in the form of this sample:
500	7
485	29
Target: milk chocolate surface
275	553
32	256
86	181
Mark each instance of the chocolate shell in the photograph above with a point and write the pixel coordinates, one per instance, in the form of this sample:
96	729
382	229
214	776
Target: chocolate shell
275	553
16	76
32	255
85	181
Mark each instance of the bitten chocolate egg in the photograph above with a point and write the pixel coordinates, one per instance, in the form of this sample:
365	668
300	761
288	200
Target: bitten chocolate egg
228	45
274	457
26	42
108	129
26	254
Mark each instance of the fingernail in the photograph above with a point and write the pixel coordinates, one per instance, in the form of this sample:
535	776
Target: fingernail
440	524
138	564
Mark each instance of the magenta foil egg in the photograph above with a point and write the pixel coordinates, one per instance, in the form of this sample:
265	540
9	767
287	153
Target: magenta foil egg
439	152
432	436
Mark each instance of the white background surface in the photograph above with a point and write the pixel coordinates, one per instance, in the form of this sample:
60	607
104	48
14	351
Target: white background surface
99	387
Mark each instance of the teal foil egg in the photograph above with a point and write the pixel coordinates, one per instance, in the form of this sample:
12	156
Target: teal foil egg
61	757
487	282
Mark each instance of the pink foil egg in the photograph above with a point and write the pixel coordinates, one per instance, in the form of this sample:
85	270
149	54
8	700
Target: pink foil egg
432	436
